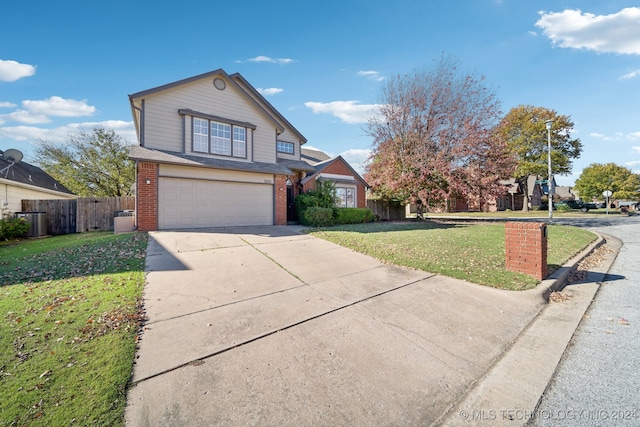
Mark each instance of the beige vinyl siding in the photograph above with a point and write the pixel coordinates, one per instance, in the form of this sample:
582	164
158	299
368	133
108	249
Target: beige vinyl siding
163	125
288	137
214	174
13	193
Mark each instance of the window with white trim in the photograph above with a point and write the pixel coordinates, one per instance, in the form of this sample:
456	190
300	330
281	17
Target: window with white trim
285	147
200	135
219	138
239	141
345	197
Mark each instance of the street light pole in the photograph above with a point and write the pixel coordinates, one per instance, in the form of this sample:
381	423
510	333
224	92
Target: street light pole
549	187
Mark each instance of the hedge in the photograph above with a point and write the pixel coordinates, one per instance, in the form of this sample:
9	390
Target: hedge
317	217
353	215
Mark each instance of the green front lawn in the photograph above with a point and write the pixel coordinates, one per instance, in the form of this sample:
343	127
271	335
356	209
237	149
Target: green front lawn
69	318
464	251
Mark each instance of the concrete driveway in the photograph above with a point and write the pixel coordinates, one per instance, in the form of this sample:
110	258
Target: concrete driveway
268	326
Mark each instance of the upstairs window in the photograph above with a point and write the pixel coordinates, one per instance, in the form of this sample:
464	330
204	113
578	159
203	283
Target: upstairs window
285	147
219	138
200	135
239	141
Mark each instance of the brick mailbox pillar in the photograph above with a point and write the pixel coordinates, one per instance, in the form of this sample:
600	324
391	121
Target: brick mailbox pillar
526	248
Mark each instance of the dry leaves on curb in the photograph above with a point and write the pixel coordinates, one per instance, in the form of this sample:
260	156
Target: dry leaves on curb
558	297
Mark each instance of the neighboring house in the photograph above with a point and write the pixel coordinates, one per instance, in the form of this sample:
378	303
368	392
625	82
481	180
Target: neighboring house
23	181
513	198
537	189
564	192
350	186
213	152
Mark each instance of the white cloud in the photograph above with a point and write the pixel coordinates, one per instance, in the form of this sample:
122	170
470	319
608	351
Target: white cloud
633	137
371	75
357	158
11	71
270	91
616	33
60	107
630	75
34	112
24	116
351	112
636	148
262	58
7	105
61	134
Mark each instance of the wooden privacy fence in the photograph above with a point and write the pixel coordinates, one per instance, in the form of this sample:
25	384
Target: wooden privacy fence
390	211
65	216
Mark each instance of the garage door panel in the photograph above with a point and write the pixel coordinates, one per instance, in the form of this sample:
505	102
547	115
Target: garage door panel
189	203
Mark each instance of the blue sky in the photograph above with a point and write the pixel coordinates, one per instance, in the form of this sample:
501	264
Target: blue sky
70	65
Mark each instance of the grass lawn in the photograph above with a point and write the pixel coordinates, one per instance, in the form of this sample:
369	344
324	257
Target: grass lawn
542	214
69	316
471	252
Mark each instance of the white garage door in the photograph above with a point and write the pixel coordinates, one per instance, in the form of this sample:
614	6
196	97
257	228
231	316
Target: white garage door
191	203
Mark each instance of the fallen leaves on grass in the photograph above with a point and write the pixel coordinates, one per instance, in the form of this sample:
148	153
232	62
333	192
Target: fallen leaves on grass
112	321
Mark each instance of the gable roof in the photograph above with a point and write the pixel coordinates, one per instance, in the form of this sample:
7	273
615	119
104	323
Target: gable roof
319	167
512	185
239	82
27	174
271	108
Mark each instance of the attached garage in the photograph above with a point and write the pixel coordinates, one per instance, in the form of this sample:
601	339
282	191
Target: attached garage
223	198
189	203
176	190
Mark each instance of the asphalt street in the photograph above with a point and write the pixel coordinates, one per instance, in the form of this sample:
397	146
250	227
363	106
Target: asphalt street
597	382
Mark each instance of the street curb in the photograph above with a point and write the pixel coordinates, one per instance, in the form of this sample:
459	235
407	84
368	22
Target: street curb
510	391
558	280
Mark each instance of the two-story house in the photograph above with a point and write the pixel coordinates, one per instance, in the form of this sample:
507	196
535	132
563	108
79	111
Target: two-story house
213	152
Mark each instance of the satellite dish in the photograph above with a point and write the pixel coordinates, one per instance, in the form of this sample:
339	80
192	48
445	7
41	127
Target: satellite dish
12	156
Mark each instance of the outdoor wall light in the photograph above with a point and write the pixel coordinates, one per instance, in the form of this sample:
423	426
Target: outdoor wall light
148	181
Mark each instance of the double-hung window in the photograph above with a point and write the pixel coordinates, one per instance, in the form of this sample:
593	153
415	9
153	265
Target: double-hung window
219	138
200	135
239	141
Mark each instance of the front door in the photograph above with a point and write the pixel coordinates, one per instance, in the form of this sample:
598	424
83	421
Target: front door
291	206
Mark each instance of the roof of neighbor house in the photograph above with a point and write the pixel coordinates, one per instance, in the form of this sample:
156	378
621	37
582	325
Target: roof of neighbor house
252	95
564	192
512	185
534	180
313	157
25	173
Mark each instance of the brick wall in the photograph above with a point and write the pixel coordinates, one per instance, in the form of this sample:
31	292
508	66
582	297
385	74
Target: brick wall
339	168
147	197
526	248
281	199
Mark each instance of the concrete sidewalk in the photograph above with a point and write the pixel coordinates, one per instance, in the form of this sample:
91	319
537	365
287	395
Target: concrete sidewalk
267	326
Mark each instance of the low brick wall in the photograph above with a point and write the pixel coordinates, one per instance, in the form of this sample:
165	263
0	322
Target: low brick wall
526	248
